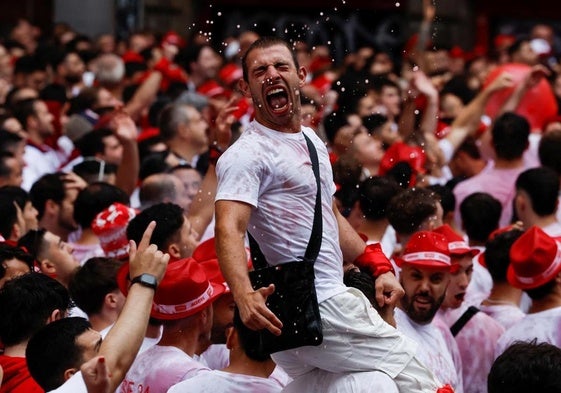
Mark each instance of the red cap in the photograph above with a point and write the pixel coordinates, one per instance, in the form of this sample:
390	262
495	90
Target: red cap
535	259
426	249
132	57
184	291
111	227
401	151
172	38
456	244
211	89
230	73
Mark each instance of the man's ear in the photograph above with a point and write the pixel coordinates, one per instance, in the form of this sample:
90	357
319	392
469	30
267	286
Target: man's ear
174	251
231	337
55	316
244	88
51	207
68	373
302	74
111	300
47	267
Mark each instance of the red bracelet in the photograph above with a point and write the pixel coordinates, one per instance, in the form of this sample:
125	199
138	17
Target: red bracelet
214	153
373	259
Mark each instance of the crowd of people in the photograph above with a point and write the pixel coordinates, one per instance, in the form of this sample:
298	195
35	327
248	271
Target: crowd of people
131	173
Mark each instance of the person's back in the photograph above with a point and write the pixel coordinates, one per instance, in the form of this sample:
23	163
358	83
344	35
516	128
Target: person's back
248	370
510	140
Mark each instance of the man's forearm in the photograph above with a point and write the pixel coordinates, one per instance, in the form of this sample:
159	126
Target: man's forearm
125	337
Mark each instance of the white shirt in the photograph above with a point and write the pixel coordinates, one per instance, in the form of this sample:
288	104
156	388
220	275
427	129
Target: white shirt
217	381
543	326
434	350
320	381
272	172
505	314
158	368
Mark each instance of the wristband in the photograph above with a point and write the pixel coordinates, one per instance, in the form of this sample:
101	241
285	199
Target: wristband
374	260
214	153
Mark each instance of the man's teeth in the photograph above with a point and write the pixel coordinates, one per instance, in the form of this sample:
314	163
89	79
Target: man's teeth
275	91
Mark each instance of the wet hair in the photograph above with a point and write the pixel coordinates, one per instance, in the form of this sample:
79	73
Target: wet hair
169	219
510	136
93	199
49	186
548	150
248	339
26	303
92	282
409	209
526	367
375	195
542	186
480	214
446	196
53	350
264	43
497	249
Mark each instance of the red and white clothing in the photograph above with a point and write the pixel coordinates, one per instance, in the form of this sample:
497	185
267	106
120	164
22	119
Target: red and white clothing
39	160
542	326
159	368
434	350
217	381
476	342
505	314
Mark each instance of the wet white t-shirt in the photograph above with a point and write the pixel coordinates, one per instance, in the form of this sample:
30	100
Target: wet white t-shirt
433	351
543	326
158	368
320	381
272	172
217	381
505	314
476	342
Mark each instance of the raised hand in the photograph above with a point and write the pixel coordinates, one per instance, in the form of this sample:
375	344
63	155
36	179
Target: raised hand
146	258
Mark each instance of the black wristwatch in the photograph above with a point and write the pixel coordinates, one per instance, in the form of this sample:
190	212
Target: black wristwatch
146	280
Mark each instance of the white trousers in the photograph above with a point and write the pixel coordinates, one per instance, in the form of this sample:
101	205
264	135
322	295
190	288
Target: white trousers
356	339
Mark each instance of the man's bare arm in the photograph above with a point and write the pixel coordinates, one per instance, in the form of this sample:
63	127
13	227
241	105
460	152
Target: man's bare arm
232	218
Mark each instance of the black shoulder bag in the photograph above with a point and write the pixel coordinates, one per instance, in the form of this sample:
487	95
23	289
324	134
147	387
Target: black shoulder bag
294	301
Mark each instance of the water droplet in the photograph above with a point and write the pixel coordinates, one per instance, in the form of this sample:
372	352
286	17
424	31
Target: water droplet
219	13
397	4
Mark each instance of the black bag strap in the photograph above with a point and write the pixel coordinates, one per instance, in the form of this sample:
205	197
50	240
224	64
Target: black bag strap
461	322
314	244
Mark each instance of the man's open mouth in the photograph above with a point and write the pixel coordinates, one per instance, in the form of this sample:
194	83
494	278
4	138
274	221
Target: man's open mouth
277	99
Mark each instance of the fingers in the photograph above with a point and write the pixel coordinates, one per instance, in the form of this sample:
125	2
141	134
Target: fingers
132	250
145	241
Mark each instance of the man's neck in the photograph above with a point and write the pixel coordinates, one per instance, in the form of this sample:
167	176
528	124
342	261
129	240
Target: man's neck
185	339
102	320
501	163
36	138
16	351
503	294
183	150
552	300
374	230
541	222
241	364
